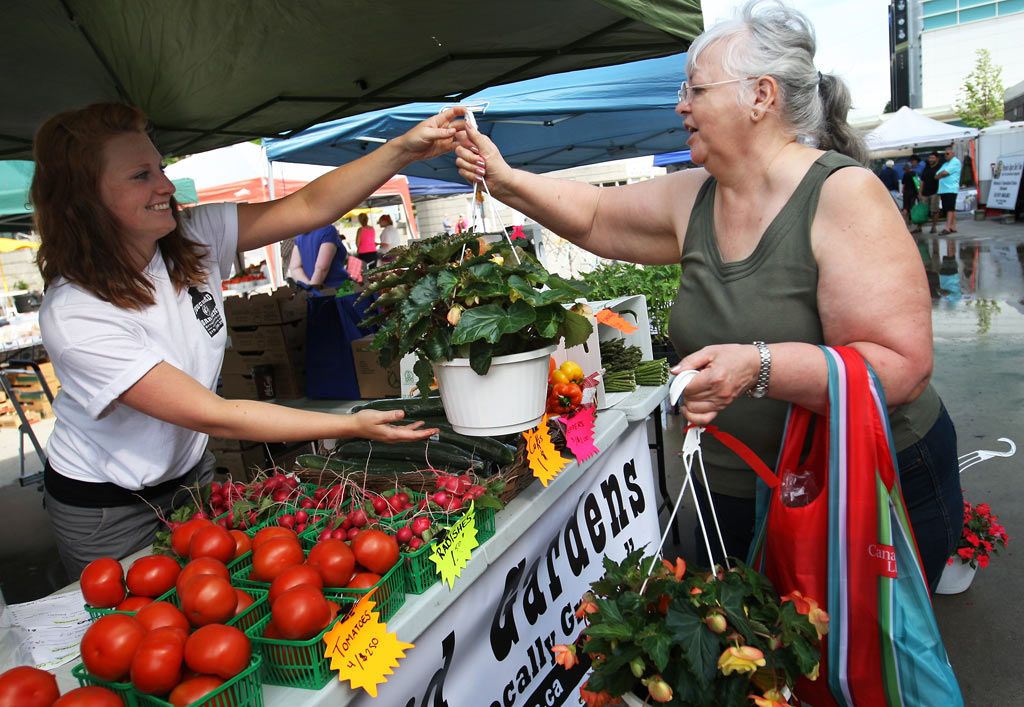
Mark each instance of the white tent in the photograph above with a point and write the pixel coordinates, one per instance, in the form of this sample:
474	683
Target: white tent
907	129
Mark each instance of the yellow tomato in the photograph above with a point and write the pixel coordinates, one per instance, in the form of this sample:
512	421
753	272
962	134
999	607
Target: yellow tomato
572	371
557	377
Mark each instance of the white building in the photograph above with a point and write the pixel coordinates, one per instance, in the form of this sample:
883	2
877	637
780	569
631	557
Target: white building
952	31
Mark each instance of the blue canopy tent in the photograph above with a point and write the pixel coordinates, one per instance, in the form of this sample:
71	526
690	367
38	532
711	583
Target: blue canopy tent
426	188
543	124
667	158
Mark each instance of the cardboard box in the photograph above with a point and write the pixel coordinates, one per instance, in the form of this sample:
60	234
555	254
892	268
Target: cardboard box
285	304
279	340
40	405
240	464
374	380
264	383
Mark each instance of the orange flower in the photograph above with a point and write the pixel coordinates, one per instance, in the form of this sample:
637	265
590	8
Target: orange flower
813	675
565	655
678	569
597	699
741	659
819	619
587	606
803	604
772	698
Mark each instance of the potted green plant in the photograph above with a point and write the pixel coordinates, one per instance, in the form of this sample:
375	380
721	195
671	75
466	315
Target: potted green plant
481	319
982	537
692	638
658	283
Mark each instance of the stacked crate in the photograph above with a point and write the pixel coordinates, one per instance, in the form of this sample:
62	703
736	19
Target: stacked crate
28	391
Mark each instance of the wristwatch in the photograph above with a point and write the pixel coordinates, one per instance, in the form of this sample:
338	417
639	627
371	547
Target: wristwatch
760	388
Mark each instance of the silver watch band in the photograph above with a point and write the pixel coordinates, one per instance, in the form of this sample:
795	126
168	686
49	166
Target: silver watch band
760	388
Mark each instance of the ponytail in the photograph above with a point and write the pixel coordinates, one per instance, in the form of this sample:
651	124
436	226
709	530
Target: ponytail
836	133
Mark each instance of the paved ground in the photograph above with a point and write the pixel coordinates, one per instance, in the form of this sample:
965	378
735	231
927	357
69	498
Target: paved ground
979	341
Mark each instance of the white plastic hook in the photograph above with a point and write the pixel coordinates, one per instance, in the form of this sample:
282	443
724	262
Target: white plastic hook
675	390
971	458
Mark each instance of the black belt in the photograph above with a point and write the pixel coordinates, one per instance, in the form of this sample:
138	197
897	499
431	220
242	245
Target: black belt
101	494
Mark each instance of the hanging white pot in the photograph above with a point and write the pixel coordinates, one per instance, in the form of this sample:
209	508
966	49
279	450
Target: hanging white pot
956	577
511	397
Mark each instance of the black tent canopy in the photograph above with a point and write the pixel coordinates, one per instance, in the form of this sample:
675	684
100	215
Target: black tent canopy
216	73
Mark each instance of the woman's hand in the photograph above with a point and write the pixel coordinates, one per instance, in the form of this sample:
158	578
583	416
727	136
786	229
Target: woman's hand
477	158
434	136
376	425
727	371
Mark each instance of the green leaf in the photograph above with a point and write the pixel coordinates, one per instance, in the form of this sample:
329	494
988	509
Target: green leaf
412	335
491	321
549	320
657	647
424	376
575	328
610	631
446	282
480	355
700	646
438	344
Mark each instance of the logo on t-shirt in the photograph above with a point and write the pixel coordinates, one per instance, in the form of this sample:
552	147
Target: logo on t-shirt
205	308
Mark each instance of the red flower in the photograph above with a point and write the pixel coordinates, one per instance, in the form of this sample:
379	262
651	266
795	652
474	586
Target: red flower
966	553
983	509
982	560
971	538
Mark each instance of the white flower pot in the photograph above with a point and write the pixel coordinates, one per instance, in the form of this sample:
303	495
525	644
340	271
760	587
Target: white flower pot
510	398
956	578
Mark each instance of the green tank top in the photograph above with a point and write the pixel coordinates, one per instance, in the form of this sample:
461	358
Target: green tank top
769	296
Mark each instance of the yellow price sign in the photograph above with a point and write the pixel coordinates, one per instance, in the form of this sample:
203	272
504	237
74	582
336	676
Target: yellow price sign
361	649
451	554
544	459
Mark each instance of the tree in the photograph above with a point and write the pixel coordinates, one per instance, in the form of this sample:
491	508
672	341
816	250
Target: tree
981	102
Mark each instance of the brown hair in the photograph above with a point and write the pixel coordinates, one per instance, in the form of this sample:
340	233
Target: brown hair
363	218
81	239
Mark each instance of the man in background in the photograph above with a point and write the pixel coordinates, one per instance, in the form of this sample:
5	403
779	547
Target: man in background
930	187
949	186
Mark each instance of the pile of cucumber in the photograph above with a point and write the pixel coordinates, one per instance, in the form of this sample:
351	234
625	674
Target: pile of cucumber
449	450
624	370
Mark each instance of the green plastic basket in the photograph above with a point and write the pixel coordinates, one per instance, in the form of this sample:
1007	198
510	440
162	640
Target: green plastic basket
243	690
421	572
124	690
95	613
390	596
259	608
293	663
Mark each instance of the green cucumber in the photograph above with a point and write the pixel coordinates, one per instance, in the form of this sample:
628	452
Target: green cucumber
413	407
439	453
339	465
486	447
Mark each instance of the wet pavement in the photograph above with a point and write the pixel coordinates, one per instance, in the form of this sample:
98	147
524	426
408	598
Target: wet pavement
978	288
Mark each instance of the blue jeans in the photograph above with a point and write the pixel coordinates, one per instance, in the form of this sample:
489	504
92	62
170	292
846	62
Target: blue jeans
930	480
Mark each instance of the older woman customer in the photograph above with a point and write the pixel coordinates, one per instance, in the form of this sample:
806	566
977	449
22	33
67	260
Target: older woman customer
786	242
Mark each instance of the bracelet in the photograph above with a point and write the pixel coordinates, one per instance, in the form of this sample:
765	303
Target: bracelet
760	387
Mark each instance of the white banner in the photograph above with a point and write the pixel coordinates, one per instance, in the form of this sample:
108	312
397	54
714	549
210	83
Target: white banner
492	647
1005	183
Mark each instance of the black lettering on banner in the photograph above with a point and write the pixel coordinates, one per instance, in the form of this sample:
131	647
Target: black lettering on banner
576	551
592	514
559	686
613	498
534	604
554	583
504	633
637	502
436	684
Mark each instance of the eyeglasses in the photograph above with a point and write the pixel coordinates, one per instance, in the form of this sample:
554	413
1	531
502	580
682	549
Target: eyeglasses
686	89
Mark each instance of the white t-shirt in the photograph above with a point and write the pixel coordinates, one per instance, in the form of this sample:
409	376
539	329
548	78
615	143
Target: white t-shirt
100	350
389	239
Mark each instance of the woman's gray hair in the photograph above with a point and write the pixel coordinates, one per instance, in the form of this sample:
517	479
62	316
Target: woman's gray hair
770	39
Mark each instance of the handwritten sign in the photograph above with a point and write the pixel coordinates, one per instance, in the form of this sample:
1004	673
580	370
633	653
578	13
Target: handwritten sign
451	553
615	321
579	433
361	649
544	459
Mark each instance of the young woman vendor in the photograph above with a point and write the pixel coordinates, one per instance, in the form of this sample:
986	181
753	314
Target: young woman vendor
133	321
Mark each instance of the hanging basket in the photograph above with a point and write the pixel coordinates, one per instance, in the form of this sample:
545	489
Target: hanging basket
510	398
956	577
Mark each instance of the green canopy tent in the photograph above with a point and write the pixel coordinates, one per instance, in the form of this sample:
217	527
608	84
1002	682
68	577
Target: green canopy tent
16	178
216	73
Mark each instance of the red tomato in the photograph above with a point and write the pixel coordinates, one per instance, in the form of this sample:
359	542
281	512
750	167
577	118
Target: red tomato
335	609
375	550
294	577
244	601
102	583
242	543
204	565
273	557
193	690
181	538
133	603
26	686
334	560
152	575
363	580
212	541
159	614
218	650
271	532
301	613
109	645
208	599
92	696
156	667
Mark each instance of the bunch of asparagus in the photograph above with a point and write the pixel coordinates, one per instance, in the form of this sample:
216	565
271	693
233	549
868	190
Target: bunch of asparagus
624	369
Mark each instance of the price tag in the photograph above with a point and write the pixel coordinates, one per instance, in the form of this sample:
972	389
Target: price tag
579	433
451	554
615	321
544	459
362	650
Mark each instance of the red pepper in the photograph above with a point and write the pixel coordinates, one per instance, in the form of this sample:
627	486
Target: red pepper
564	398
